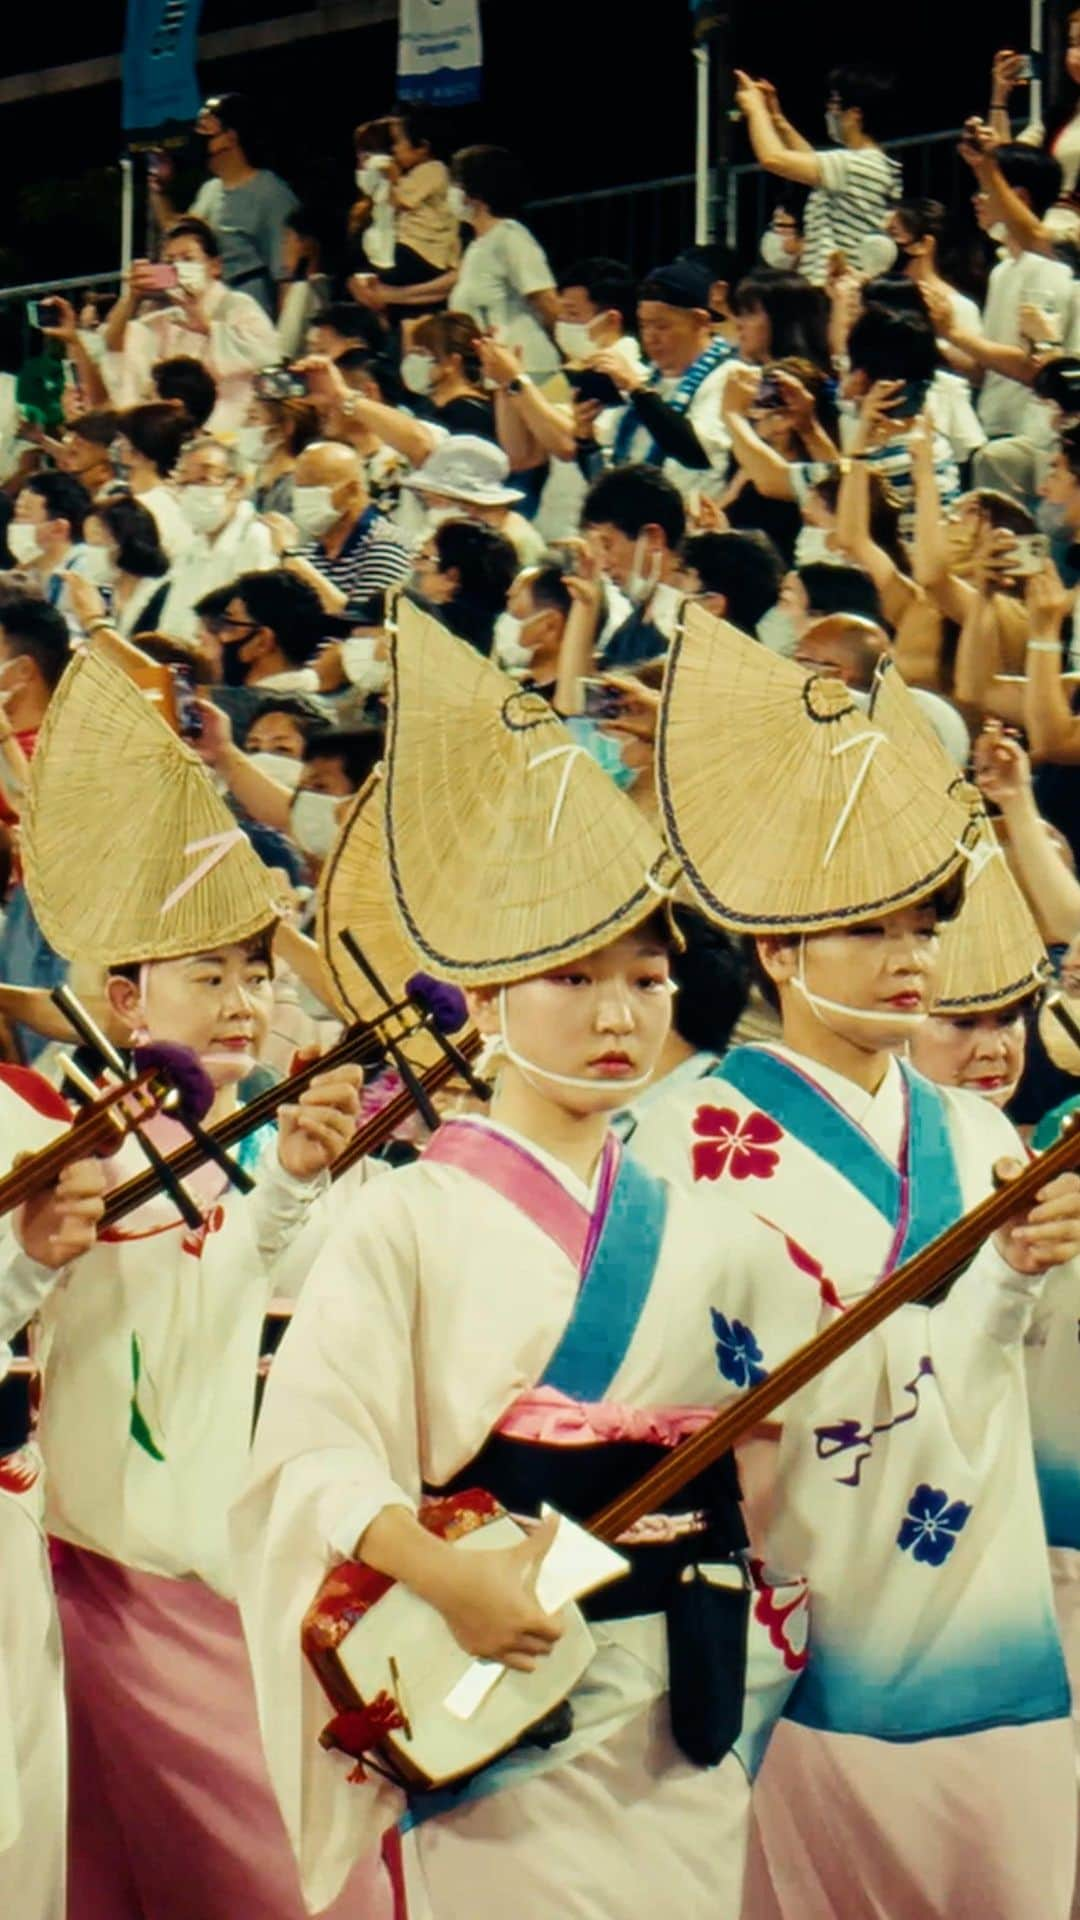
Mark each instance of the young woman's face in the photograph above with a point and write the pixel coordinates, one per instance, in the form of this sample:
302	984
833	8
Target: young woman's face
603	1019
883	968
219	1004
981	1051
753	334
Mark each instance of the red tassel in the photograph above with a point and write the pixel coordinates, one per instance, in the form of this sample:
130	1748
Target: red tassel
355	1733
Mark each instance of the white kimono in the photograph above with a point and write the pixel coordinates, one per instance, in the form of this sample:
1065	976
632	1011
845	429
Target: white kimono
905	1488
447	1293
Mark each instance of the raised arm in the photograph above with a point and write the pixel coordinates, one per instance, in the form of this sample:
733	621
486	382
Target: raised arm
1053	729
1003	772
771	151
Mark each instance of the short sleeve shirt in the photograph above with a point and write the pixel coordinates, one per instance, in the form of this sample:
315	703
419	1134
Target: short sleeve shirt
499	271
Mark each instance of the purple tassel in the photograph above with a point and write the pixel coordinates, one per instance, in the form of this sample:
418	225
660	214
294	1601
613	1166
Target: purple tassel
186	1072
445	1003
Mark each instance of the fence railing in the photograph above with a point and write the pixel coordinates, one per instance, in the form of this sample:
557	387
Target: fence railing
647	221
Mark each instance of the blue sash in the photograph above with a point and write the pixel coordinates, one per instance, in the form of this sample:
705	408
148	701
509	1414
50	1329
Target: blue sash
919	1200
696	374
614	1290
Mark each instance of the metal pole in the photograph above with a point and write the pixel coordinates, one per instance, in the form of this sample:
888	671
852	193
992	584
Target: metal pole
701	161
1037	42
127	213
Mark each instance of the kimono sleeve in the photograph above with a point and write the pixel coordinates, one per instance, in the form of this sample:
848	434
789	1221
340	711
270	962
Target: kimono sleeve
336	1441
242	337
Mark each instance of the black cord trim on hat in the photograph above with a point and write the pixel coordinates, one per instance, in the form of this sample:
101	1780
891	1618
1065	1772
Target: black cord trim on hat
824	719
537	714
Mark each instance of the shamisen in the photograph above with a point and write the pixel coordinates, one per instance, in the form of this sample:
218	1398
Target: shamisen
836	838
524	1318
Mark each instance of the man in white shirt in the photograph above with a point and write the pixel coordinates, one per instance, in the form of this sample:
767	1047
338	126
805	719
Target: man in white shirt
671	418
224	329
854	182
45	534
227	537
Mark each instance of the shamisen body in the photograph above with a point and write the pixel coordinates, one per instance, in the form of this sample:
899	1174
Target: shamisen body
925	1765
525	1310
150	1343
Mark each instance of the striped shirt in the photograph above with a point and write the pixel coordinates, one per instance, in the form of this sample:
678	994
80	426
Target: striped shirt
374	557
893	462
858	186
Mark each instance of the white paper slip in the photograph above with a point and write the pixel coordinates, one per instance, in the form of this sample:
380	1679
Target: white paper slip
576	1563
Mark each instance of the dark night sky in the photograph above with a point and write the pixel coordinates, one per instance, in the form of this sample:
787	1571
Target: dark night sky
590	98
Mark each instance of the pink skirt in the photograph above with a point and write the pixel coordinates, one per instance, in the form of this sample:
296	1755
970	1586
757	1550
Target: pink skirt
172	1811
977	1827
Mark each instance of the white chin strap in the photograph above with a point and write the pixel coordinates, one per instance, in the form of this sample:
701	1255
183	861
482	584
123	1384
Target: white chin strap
500	1043
873	1017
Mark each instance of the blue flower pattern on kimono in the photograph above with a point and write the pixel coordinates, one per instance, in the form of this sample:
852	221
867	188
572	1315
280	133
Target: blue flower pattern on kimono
931	1525
738	1355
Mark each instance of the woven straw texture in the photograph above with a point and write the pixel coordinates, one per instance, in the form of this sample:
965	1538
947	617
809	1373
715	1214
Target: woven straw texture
1061	1036
116	810
992	953
508	847
789	807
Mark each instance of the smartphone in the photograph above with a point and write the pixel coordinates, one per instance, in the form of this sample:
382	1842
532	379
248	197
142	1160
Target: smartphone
280	383
1028	67
189	721
71	375
1031	551
160	277
603	702
911	399
43	313
770	394
584	384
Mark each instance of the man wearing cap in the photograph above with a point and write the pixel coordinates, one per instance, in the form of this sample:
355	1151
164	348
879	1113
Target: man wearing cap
469	477
671	416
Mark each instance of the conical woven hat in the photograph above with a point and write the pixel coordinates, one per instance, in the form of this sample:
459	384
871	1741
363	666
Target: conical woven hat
355	897
508	846
1059	1031
128	852
992	953
790	808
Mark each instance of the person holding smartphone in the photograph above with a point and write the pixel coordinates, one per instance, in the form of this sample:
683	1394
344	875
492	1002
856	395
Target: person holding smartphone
222	327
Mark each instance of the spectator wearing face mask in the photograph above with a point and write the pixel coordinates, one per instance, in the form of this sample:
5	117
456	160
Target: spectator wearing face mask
780	316
222	327
310	812
424	234
149	441
816	591
227	539
469	478
85	450
782	241
186	380
46	533
35	649
670	416
773	419
464	571
346	543
125	556
853	184
736	576
634	521
270	629
270	443
338	760
504	281
243	203
441	370
282	726
309	245
529	635
915	228
384	466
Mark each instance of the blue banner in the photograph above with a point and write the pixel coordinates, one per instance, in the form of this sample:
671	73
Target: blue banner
439	52
160	84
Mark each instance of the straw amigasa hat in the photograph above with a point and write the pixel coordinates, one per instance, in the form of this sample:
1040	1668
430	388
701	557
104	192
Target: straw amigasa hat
992	955
508	848
791	807
128	852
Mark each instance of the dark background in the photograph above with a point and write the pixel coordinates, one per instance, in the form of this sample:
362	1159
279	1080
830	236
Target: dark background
593	94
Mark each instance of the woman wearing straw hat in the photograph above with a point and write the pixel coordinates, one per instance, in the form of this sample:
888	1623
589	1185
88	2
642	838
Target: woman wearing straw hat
834	838
150	1349
473	1278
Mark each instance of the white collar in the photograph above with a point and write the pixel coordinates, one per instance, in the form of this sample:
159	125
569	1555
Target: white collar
564	1174
879	1114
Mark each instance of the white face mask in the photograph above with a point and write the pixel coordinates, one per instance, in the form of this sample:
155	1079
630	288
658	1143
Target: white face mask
369	178
834	126
254	444
877	254
507	650
772	249
418	372
313	511
97	565
314	823
362	669
776	630
644	576
205	508
999	232
574	339
193	275
279	766
812	547
457	203
22	538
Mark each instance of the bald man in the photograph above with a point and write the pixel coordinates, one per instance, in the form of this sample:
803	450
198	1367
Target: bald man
843	644
345	539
